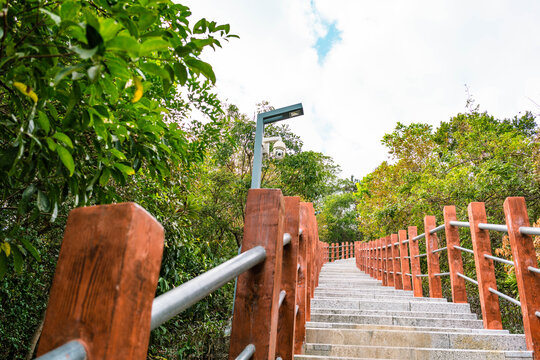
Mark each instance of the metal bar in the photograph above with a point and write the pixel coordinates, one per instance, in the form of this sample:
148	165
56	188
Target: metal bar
406	241
499	259
526	230
396	244
460	223
408	274
300	232
282	295
467	278
420	255
407	257
437	229
439	250
537	313
442	274
72	350
247	353
494	227
173	302
421	236
504	296
422	275
286	239
463	249
534	270
296	310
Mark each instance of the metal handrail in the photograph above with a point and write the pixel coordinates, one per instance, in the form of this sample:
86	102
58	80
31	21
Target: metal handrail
422	275
499	259
537	313
173	302
421	236
526	230
463	249
247	353
460	223
439	250
442	274
282	295
286	239
72	350
437	229
493	227
420	255
504	296
466	278
534	270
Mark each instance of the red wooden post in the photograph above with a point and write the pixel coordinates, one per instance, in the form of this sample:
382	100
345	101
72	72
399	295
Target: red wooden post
415	262
398	283
384	268
403	254
485	270
286	323
315	240
370	261
524	255
255	319
105	282
455	262
302	299
379	259
432	244
389	261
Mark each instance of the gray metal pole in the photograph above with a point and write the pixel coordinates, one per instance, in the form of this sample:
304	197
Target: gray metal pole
257	154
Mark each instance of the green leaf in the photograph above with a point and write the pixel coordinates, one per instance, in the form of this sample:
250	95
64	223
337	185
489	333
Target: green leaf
104	178
3	265
53	17
199	66
84	53
55	212
42	202
1	36
43	121
17	260
92	36
109	29
63	138
155	69
118	154
28	192
66	158
124	43
153	44
128	170
181	73
70	10
200	27
93	72
146	19
6	247
65	72
31	249
51	144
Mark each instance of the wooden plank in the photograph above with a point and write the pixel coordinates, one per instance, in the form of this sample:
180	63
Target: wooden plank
432	244
385	261
455	262
379	259
302	298
105	281
415	262
403	254
524	255
286	323
256	313
398	283
485	270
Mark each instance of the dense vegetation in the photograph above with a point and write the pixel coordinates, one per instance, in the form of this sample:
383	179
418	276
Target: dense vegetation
472	157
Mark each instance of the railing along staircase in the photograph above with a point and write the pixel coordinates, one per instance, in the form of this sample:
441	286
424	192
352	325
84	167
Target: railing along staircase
102	304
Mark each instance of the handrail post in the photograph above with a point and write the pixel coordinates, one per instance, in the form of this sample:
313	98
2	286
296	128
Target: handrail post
415	262
389	261
378	256
302	298
455	262
485	270
105	281
384	268
432	244
314	241
286	323
256	308
370	259
398	283
524	255
403	253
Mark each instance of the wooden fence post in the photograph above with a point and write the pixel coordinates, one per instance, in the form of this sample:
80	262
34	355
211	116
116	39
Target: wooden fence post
415	262
432	244
384	268
403	254
398	283
524	256
286	323
105	282
302	298
255	319
485	270
370	260
455	262
379	259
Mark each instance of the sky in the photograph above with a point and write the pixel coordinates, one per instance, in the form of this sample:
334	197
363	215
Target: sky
361	66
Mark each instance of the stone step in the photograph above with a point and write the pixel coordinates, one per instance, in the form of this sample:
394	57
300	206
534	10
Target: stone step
314	324
372	295
416	339
411	305
379	290
332	351
375	313
398	320
315	357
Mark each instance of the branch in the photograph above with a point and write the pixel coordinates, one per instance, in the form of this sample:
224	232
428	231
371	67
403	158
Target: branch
47	55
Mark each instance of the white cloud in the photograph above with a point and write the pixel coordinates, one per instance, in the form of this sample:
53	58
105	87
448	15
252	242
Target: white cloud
396	61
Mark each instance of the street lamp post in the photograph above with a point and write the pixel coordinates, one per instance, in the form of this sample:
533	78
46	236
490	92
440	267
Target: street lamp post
263	119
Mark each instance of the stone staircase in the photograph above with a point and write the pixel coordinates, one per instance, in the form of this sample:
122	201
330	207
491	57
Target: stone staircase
354	317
